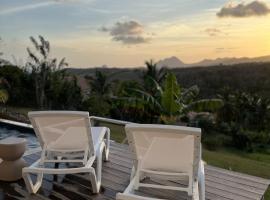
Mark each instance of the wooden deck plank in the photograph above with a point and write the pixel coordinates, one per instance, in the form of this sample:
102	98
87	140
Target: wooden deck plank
221	184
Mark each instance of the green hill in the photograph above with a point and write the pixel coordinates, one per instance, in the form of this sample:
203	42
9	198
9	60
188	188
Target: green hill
248	77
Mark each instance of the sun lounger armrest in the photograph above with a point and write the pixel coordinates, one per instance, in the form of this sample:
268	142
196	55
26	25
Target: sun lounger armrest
108	120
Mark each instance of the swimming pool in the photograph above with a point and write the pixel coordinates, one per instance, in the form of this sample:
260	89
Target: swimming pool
7	130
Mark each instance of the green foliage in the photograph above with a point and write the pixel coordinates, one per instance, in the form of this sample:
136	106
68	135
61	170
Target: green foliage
99	84
213	143
249	77
63	93
18	85
43	68
153	95
256	164
244	118
42	83
3	93
153	72
97	106
3	96
98	99
164	103
248	111
170	95
205	105
189	94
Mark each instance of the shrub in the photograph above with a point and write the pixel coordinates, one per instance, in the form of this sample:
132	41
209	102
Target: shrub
212	142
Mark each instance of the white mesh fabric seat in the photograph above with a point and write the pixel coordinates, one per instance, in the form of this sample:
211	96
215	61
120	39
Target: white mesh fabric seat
169	153
98	133
67	137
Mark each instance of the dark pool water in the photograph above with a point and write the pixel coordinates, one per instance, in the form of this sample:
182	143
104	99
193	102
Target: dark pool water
12	131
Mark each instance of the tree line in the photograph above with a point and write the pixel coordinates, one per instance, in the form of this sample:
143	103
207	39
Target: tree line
228	117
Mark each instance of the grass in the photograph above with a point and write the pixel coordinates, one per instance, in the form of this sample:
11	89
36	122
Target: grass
117	132
256	164
20	110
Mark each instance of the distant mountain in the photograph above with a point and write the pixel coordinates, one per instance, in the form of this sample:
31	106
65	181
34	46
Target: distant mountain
174	62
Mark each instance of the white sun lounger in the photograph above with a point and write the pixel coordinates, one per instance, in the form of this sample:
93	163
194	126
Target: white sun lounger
67	137
169	153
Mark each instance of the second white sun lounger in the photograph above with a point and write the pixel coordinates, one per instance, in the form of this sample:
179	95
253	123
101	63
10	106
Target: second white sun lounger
67	137
169	153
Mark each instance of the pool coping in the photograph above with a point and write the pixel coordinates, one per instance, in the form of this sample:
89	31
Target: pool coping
14	123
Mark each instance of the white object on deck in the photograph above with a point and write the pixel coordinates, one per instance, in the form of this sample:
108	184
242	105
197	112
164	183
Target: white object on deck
169	153
67	137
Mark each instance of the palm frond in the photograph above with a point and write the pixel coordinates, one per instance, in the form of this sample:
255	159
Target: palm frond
188	95
35	43
33	56
62	63
147	98
205	105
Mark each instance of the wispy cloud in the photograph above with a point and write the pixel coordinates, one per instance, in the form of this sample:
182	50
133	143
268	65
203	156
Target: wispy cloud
255	8
130	32
214	32
23	8
224	49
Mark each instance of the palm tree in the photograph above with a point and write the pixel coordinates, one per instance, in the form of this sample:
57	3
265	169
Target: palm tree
153	76
153	72
98	101
100	85
42	66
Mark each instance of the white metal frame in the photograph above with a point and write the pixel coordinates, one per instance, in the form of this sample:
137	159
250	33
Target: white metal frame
196	186
85	156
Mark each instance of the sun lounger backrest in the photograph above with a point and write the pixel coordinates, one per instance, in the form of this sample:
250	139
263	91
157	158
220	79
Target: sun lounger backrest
165	148
62	130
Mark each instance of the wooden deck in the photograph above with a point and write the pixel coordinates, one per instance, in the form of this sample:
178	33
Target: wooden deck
220	184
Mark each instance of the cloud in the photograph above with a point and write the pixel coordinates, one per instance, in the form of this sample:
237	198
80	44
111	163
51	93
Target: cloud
214	32
224	49
26	7
255	8
127	28
130	32
131	39
18	9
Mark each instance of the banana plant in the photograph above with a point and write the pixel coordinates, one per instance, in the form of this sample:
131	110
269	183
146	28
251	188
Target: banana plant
170	96
172	101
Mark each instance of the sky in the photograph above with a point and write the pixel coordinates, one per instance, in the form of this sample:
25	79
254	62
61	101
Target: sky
125	33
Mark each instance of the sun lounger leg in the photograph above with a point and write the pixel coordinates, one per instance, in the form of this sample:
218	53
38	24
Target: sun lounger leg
93	179
107	146
32	188
195	195
201	177
133	171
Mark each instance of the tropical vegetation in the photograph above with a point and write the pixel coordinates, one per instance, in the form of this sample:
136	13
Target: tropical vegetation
230	103
229	117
